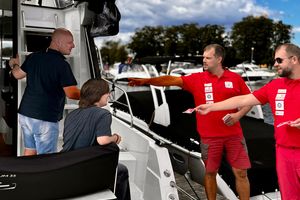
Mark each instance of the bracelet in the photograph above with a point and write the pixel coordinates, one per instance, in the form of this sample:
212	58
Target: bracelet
14	65
117	138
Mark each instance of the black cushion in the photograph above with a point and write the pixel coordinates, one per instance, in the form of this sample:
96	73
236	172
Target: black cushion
59	175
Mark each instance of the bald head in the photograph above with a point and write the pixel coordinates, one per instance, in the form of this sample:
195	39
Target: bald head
62	41
60	33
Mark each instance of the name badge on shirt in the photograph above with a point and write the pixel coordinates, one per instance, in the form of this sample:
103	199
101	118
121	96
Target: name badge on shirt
228	84
281	91
279	113
209	96
279	102
208	89
279	96
279	105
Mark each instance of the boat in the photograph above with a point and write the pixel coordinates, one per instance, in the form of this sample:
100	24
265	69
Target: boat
157	139
33	23
152	66
252	72
129	70
161	110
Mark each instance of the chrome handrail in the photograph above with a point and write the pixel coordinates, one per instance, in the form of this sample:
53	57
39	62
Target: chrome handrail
127	99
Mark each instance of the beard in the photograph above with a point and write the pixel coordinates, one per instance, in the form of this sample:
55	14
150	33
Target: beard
285	72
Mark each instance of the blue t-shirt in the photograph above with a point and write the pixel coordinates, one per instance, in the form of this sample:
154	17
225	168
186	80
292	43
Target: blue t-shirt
83	125
47	73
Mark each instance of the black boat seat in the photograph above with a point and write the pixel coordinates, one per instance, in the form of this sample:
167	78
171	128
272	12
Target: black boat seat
59	175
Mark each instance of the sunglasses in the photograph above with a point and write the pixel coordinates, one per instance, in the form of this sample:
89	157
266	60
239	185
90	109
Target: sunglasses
280	60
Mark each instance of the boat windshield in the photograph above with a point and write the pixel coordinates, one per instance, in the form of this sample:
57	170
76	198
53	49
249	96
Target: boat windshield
58	4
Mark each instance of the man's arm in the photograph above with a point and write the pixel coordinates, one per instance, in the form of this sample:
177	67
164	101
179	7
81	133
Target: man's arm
157	81
16	71
103	140
228	104
72	92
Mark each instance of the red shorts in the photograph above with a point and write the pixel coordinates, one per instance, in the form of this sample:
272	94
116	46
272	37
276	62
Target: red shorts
234	147
288	172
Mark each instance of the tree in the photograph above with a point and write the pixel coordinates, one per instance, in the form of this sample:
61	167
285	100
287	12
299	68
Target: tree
253	37
148	41
184	40
189	39
113	52
210	34
282	33
256	37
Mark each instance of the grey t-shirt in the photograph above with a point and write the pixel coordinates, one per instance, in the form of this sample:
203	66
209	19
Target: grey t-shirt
83	125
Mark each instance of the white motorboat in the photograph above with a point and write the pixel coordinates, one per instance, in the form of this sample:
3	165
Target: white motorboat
252	72
35	21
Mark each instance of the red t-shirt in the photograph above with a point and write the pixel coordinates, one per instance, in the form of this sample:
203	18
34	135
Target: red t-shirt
283	94
208	88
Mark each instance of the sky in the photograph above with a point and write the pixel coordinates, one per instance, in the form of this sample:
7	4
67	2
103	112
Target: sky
139	13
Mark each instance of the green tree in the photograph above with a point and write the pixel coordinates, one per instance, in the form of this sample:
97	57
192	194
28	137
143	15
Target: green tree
282	33
253	37
148	41
256	37
210	34
189	41
186	39
113	52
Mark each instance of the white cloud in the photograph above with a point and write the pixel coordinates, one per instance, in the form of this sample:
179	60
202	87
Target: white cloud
296	29
139	13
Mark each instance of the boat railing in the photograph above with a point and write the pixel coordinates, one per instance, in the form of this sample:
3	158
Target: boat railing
114	100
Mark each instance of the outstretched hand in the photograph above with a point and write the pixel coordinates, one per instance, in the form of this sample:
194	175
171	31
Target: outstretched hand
136	81
295	123
203	109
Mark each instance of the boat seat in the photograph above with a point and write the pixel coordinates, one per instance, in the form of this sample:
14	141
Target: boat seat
59	175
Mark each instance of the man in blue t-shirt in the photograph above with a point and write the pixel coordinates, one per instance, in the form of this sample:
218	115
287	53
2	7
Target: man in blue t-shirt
49	79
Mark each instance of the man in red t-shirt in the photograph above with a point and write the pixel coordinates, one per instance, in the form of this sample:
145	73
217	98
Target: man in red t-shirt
217	132
283	96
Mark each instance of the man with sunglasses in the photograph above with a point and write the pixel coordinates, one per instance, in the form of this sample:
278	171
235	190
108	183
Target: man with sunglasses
283	96
221	131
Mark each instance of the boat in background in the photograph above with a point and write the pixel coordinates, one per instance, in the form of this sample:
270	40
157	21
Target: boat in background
154	66
160	112
251	72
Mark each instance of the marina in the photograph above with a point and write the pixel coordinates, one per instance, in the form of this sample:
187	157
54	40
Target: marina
160	144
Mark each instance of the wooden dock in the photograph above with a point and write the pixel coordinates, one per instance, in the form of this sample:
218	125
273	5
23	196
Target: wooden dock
199	189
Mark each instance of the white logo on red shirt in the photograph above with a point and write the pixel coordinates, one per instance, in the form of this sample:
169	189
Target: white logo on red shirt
279	102
228	84
208	90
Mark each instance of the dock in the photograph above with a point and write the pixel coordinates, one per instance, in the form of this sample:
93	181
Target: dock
199	189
